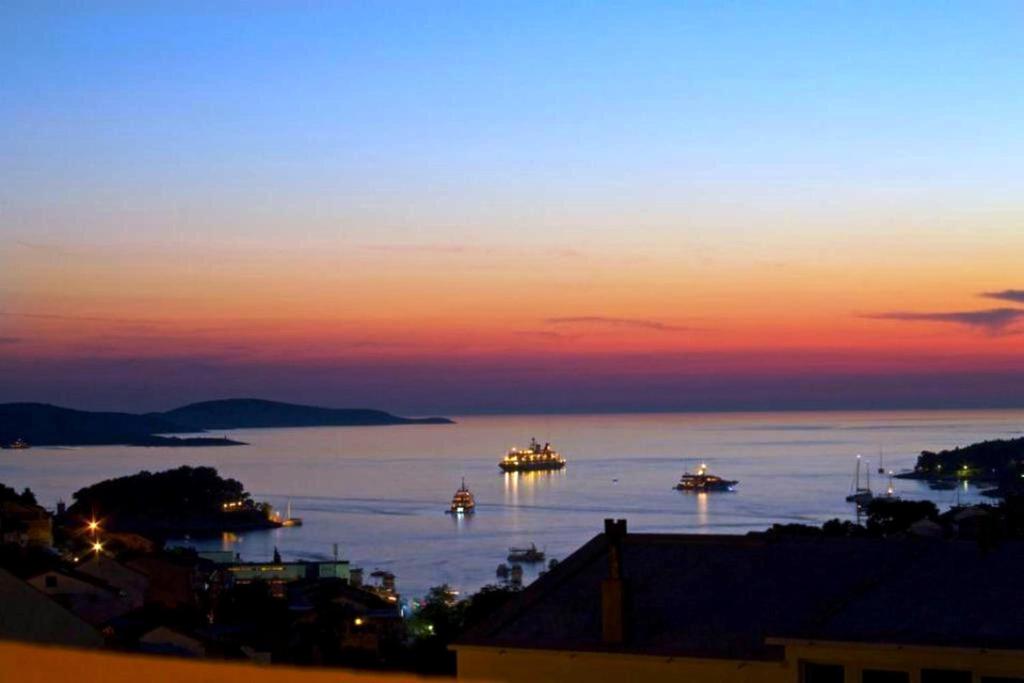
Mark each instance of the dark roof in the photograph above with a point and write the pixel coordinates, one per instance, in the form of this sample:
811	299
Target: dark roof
723	596
29	615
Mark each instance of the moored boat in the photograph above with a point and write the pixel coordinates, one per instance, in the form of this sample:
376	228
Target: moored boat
528	555
533	458
701	482
861	495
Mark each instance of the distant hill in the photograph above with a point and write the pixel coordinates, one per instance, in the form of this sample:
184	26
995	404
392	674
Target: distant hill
41	424
241	413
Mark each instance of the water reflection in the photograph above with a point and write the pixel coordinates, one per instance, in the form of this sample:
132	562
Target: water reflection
702	509
522	487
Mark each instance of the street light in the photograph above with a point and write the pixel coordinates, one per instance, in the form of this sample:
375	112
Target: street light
97	547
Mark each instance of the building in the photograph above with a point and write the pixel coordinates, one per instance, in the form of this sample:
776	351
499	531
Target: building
28	615
279	574
761	608
92	599
25	525
130	583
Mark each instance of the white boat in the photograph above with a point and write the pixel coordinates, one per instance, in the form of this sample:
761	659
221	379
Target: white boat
861	495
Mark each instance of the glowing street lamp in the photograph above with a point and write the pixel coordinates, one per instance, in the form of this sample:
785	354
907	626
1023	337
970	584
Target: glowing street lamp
97	547
93	526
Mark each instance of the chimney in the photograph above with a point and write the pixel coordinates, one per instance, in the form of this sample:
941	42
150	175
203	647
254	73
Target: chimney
613	592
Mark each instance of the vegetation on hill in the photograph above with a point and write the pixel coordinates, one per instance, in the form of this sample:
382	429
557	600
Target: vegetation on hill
184	500
9	495
999	461
240	413
40	424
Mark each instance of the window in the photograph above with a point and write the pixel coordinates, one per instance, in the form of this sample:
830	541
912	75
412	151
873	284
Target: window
821	673
945	676
880	676
51	581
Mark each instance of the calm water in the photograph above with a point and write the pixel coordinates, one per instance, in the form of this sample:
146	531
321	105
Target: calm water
381	492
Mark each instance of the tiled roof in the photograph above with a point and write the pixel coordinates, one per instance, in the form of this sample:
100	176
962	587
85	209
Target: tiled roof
723	596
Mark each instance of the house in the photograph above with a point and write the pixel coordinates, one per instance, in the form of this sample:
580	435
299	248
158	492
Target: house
28	615
173	580
279	574
90	598
23	524
169	641
131	583
761	608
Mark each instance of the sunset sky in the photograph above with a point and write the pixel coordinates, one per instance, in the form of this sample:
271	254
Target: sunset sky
457	207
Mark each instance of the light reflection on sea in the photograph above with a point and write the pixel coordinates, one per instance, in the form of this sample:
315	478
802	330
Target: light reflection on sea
380	492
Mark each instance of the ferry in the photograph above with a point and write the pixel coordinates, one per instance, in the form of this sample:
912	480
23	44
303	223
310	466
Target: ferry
462	502
533	458
703	482
528	555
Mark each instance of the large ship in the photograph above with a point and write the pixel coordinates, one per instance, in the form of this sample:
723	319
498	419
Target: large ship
533	458
702	481
462	502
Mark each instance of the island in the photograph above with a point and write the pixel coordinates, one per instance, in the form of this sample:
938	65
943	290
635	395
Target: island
249	413
23	425
186	500
998	462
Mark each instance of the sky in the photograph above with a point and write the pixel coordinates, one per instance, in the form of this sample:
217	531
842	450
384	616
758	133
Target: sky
436	207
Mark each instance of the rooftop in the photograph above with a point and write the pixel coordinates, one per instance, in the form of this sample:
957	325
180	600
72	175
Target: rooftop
723	596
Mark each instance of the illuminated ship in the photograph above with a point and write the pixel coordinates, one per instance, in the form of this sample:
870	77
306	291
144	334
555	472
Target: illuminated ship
702	481
462	501
18	444
533	458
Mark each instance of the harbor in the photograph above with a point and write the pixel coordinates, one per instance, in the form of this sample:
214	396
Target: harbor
381	495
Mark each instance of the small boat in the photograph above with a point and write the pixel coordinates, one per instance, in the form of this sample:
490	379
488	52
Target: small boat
861	495
18	444
462	502
532	459
528	555
703	482
289	520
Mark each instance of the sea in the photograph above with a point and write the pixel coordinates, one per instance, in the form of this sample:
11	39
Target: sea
380	493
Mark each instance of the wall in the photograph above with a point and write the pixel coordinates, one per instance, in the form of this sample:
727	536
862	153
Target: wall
856	657
542	666
23	663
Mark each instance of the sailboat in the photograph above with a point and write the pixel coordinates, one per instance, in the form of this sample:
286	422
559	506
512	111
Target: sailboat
881	466
861	495
288	519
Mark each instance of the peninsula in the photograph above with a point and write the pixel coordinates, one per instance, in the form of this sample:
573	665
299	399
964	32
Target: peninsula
186	500
999	462
40	424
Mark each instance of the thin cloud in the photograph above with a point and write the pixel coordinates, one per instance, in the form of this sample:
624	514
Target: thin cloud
1014	295
605	321
992	321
